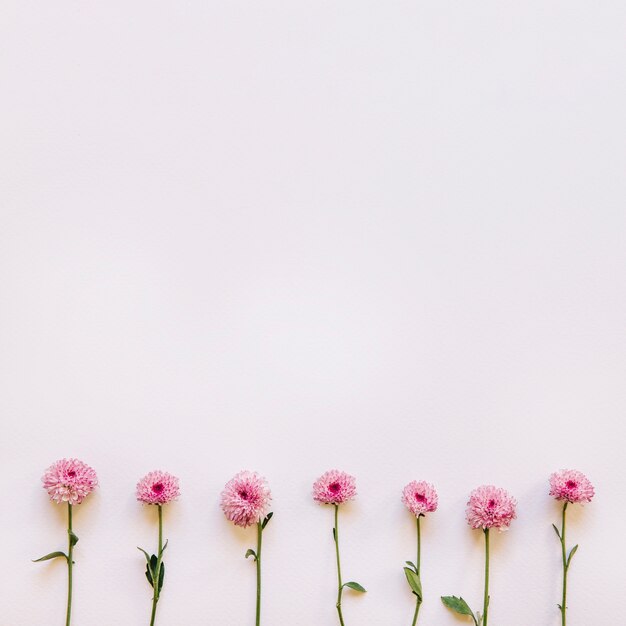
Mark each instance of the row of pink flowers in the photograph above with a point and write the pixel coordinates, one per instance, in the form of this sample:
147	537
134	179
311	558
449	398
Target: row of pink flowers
246	498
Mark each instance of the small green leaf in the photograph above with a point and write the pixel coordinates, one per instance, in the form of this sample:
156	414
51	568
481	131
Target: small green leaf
145	554
414	581
52	555
335	534
556	530
266	521
458	605
150	569
251	553
162	576
73	538
355	586
571	554
411	564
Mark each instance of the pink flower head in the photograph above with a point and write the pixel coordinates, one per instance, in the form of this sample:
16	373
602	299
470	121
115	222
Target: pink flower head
334	487
490	507
69	480
246	498
158	488
571	485
420	498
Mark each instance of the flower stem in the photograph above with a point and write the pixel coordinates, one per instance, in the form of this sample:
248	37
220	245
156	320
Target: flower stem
418	603
156	577
70	563
339	581
486	597
565	568
259	546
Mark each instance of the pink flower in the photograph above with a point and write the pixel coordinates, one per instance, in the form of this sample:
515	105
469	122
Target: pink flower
420	498
69	480
490	507
571	485
246	498
334	487
158	488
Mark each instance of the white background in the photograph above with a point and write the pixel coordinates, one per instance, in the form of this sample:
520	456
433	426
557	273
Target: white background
287	236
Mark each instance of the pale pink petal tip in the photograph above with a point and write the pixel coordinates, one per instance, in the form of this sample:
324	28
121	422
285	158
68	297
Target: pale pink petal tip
158	488
246	498
420	498
572	486
490	507
334	487
69	480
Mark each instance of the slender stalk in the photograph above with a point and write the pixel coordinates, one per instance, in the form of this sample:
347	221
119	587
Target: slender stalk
486	597
259	546
339	581
156	578
418	602
565	568
70	563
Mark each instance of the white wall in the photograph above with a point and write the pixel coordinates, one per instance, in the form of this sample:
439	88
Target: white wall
288	236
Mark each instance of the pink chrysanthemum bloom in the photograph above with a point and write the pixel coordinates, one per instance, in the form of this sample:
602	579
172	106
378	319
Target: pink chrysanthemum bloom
69	480
420	498
246	498
334	487
158	488
490	507
571	485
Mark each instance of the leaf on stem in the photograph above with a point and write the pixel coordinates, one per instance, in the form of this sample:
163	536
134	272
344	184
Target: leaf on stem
571	554
355	586
266	521
52	555
145	554
251	553
163	548
411	564
73	538
556	530
414	581
458	605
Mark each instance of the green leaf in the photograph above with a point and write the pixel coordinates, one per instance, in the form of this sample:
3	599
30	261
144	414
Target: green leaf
251	553
145	554
162	576
571	554
150	569
411	564
355	586
556	530
335	534
266	521
414	581
73	538
52	555
458	605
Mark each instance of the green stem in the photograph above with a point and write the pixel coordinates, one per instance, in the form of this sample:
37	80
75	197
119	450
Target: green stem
418	602
156	578
565	568
486	597
339	581
70	563
259	546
